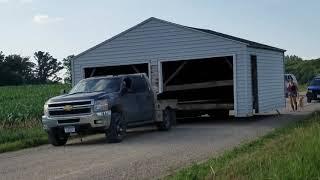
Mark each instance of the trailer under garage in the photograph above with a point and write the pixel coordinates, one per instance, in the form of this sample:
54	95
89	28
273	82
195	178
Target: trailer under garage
203	70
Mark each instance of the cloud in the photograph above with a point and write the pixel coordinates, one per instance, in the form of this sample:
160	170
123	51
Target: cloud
45	19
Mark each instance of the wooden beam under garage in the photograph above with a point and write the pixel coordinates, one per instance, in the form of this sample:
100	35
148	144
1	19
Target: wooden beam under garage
199	85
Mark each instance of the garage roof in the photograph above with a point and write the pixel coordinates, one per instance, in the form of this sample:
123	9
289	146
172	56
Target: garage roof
233	38
250	43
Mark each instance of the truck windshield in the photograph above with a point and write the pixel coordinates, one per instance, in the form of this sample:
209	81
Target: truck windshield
107	85
315	82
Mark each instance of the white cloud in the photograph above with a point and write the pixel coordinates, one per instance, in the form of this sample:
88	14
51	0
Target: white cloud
45	19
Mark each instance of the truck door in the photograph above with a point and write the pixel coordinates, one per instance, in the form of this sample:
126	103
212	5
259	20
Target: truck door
129	102
144	99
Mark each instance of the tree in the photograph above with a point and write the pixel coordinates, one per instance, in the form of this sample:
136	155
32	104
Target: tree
47	67
292	58
304	70
15	69
3	70
67	65
1	56
21	66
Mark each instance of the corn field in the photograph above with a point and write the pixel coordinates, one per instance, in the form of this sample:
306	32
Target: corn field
22	106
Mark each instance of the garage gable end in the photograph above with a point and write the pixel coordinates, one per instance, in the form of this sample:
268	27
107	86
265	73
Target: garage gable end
154	40
145	26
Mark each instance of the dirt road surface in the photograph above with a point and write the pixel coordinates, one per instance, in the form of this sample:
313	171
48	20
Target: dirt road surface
144	154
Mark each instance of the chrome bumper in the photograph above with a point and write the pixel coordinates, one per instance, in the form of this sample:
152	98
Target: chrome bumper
95	120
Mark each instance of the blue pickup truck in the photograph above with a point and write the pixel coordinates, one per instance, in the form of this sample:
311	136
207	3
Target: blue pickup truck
314	90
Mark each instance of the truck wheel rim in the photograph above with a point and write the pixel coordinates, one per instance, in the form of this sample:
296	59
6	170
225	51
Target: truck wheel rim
120	127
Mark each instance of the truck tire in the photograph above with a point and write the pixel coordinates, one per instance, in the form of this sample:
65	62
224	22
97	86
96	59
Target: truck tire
57	138
309	100
169	119
117	129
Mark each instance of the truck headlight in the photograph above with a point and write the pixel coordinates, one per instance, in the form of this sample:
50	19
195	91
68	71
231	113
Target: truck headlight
45	109
101	105
309	90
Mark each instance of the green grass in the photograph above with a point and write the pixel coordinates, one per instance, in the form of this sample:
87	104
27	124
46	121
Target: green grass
21	108
15	139
303	87
287	153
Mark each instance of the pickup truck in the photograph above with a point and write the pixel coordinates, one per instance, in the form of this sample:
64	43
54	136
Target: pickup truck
313	92
107	104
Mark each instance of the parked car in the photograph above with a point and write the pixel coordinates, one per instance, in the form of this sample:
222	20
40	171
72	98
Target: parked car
314	89
287	77
107	105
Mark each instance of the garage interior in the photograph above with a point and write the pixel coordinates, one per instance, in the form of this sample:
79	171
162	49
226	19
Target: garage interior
204	83
117	70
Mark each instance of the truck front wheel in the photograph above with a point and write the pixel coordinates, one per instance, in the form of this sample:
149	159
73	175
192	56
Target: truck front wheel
117	129
309	100
56	138
169	119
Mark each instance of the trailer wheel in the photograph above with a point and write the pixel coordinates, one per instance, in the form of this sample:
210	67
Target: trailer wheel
56	138
117	129
169	119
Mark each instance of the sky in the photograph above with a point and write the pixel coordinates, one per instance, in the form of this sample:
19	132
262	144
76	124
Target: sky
65	27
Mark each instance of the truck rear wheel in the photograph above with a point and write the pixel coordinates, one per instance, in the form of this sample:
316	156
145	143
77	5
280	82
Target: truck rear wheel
169	119
117	129
57	138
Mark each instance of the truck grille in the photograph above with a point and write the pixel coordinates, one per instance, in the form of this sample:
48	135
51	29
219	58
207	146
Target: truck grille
65	121
70	108
70	103
72	112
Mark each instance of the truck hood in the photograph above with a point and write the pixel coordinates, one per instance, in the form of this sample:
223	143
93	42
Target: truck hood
83	96
313	87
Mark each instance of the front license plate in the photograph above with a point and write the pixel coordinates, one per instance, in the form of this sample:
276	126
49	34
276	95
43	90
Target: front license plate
318	96
69	129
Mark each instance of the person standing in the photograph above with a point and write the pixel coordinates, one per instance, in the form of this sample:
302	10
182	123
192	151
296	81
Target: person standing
293	94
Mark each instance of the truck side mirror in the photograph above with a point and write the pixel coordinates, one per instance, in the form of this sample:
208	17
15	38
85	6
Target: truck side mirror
63	91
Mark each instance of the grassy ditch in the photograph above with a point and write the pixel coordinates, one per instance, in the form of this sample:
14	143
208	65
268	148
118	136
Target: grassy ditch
15	139
287	153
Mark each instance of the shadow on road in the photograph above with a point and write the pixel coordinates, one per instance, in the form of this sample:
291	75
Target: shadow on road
231	119
184	126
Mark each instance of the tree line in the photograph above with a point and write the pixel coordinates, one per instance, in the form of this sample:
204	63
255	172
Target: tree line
304	70
17	70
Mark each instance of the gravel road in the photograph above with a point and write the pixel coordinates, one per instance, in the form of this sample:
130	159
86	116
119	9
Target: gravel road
144	154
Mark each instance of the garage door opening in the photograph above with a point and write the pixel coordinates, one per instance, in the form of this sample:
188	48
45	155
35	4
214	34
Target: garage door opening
198	81
117	70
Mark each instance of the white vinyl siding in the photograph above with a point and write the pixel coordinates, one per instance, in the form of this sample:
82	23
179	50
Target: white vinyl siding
155	40
270	70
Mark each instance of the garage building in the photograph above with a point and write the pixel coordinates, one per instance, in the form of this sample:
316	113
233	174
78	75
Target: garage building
243	73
